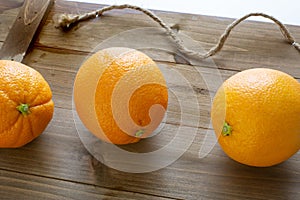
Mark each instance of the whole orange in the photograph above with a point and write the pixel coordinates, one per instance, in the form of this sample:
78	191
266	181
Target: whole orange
120	95
256	117
26	105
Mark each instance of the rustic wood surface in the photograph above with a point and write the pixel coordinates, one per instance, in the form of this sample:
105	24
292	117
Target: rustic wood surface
27	21
57	166
8	14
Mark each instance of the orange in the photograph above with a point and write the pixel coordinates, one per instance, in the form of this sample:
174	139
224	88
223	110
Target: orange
256	117
26	107
120	95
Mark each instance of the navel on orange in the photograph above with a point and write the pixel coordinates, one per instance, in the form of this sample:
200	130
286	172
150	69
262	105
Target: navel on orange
256	117
26	105
120	95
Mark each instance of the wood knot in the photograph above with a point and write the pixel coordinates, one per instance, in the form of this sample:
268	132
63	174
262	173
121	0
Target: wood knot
201	91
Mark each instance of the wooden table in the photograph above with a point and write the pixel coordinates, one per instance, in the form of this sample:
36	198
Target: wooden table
57	165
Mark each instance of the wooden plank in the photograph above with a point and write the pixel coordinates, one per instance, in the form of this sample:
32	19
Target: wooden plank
8	14
11	4
25	186
23	29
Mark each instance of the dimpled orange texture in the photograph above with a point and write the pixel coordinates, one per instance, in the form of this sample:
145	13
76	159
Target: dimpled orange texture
22	89
262	108
115	92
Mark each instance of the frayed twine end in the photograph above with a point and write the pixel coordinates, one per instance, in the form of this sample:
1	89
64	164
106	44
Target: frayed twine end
65	21
296	45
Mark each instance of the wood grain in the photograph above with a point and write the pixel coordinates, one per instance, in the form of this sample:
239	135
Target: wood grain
260	44
24	28
57	166
8	14
25	186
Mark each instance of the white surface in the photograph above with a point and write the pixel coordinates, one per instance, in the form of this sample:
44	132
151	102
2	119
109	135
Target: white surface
287	11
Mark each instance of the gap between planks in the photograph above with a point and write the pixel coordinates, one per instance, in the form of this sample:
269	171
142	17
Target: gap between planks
86	184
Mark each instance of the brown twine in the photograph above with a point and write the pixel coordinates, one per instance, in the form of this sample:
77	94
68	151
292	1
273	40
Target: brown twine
66	21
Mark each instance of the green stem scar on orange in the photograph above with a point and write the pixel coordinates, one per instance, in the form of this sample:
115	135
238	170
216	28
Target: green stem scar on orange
139	133
23	108
226	131
16	79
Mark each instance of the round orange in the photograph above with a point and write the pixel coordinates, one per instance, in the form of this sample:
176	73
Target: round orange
120	95
26	105
256	117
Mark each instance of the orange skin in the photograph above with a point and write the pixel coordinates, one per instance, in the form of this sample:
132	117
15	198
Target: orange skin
120	95
26	105
262	110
